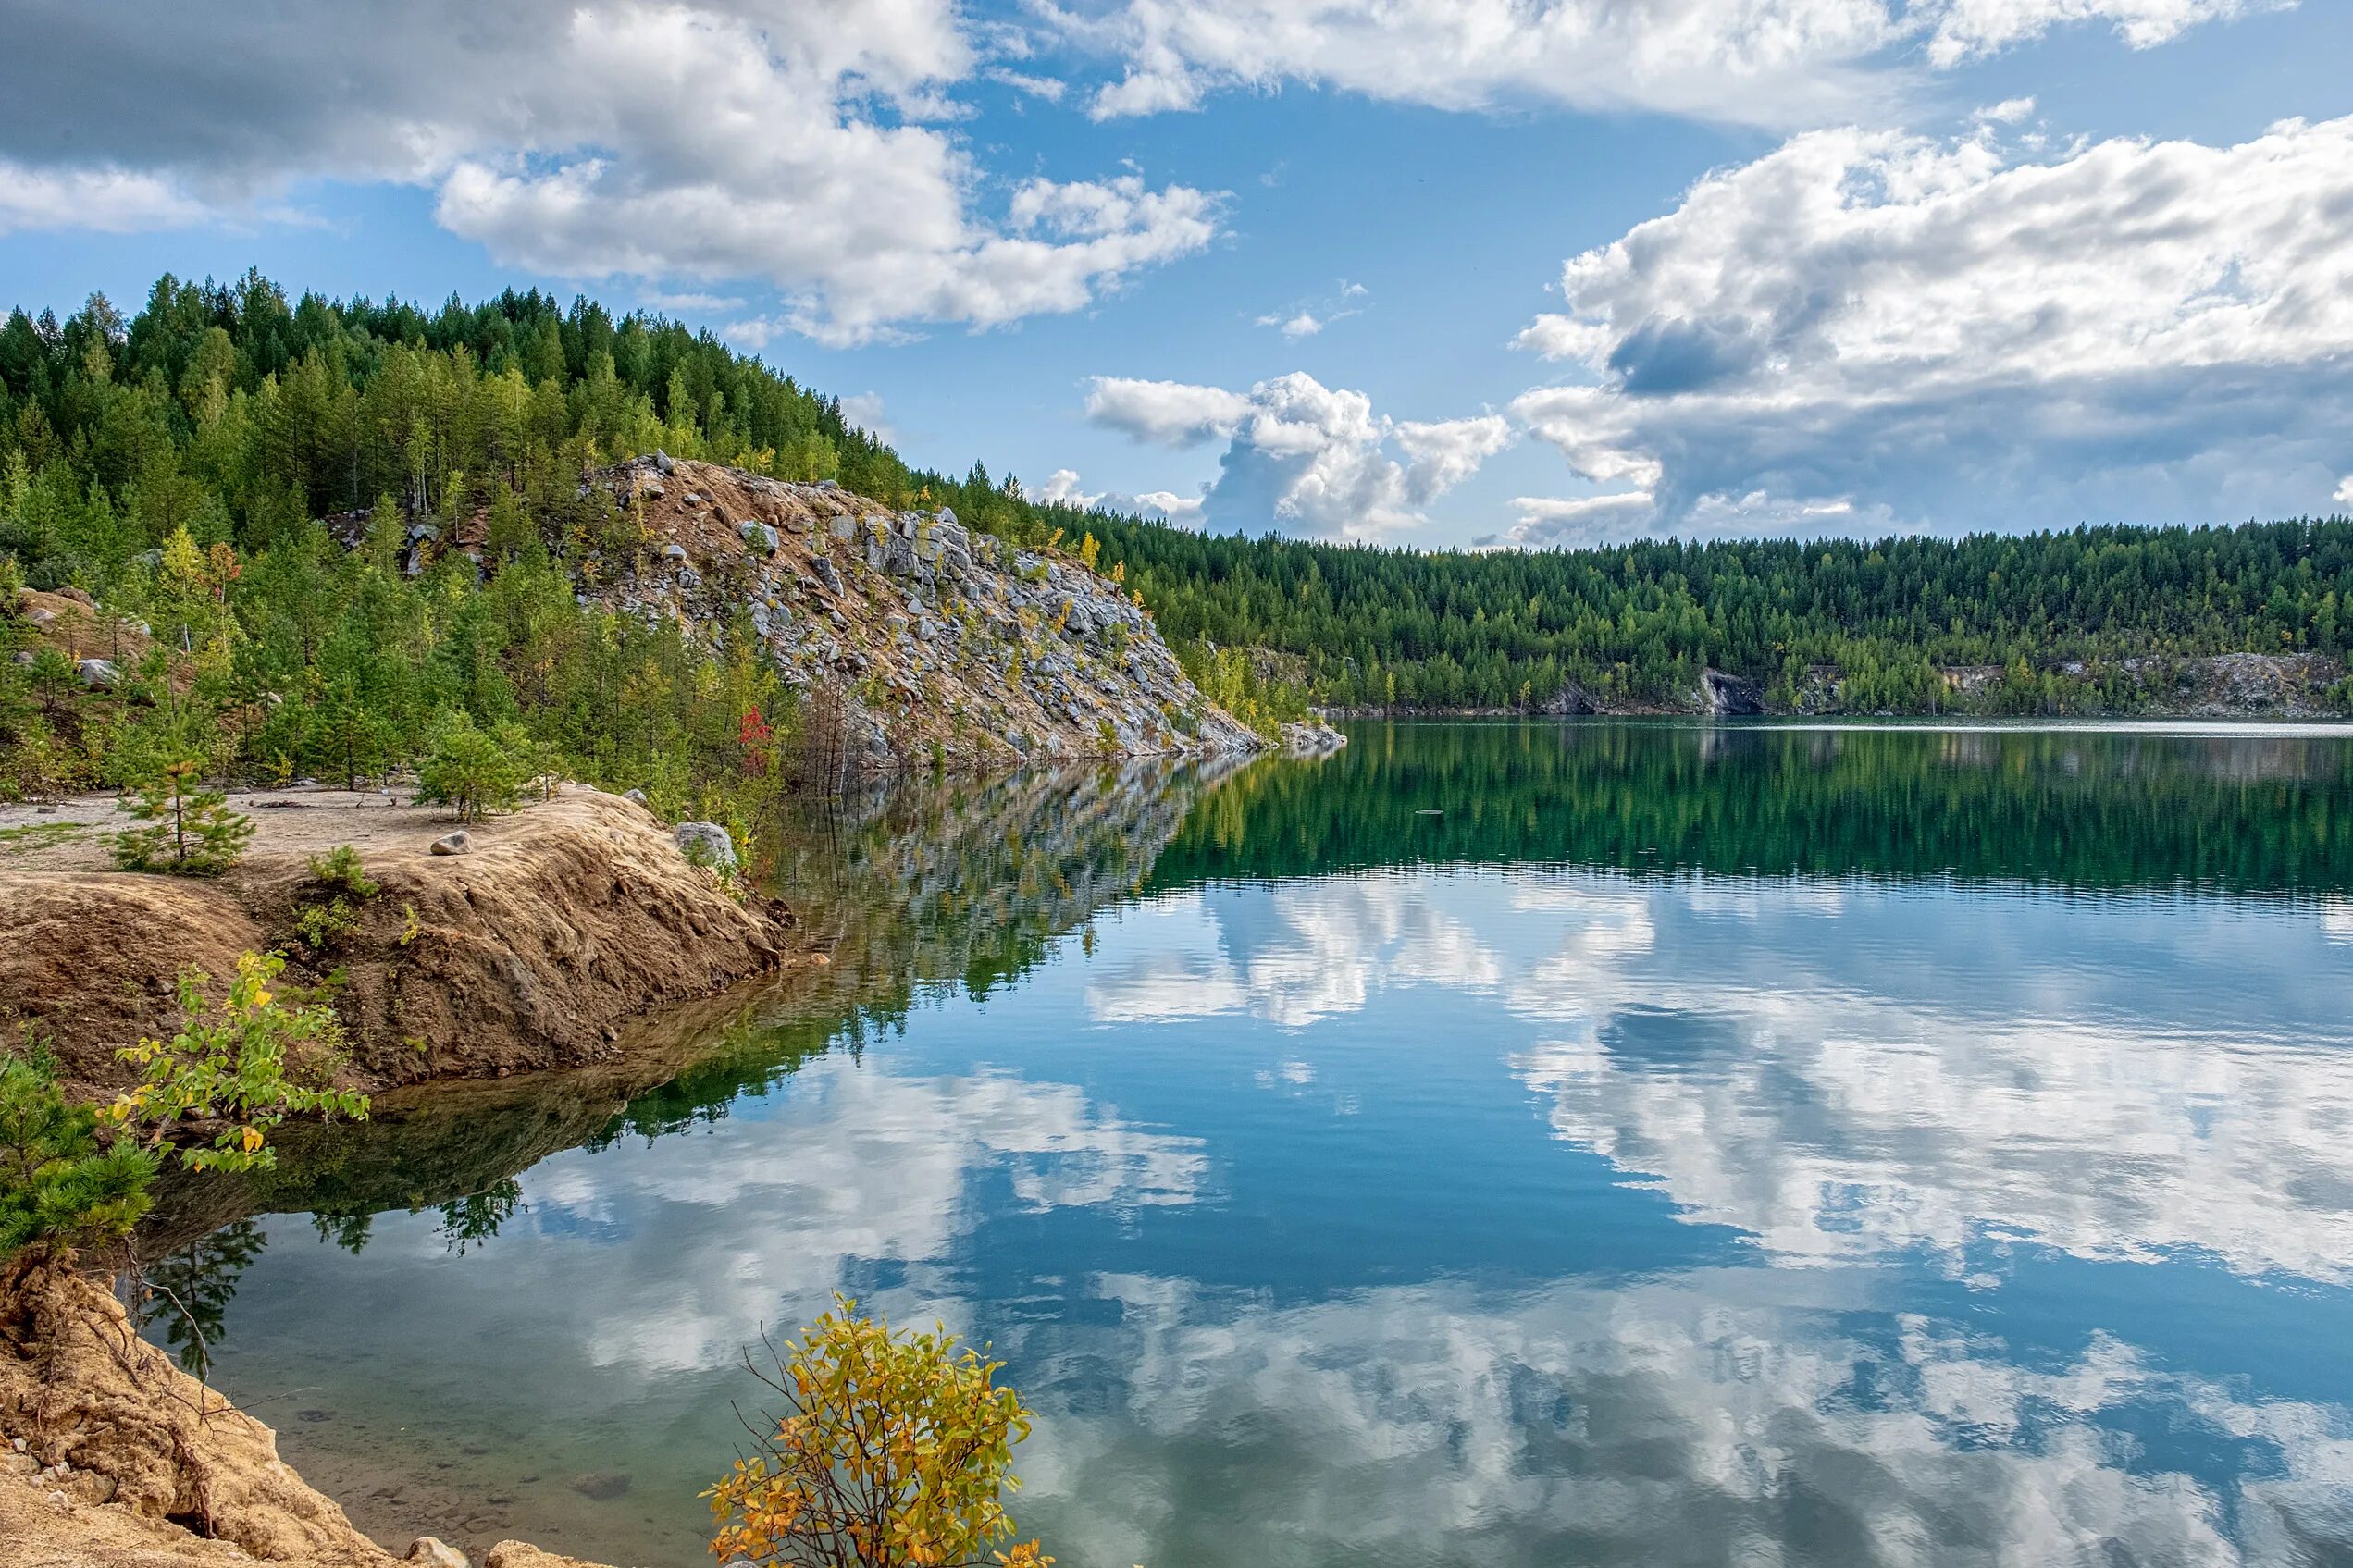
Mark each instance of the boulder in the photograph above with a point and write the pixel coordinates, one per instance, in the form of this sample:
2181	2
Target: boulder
760	537
711	840
456	843
674	551
432	1552
1728	696
98	673
662	461
636	795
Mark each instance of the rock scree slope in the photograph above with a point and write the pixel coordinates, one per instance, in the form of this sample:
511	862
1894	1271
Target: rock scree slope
952	642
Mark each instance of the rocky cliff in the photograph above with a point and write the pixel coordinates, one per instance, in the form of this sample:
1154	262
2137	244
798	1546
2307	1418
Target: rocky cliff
943	643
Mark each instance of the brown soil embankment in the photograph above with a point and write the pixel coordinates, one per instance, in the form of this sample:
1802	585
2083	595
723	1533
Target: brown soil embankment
112	1457
526	951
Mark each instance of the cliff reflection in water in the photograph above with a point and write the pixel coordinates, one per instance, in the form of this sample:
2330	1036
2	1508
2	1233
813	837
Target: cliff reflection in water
1692	1146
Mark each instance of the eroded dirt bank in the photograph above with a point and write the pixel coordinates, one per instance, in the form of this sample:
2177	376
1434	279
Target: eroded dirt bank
526	951
111	1457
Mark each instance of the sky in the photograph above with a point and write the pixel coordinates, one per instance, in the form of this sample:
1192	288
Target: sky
1438	273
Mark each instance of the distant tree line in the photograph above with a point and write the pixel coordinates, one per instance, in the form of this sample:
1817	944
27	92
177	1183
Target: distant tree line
176	465
1638	622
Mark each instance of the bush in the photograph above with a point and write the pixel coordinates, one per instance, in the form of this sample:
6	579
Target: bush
249	1060
895	1452
327	921
468	771
191	832
60	1187
340	868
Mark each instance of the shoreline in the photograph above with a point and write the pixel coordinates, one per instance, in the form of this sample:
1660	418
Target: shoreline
555	925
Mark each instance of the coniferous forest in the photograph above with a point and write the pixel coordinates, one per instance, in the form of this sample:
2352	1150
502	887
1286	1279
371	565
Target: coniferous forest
176	465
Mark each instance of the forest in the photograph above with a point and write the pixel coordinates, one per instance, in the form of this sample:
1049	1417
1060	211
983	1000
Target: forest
180	466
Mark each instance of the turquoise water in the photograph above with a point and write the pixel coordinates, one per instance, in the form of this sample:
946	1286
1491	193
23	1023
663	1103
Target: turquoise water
1498	1145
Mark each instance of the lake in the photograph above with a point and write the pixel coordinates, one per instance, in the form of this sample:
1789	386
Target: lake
1496	1144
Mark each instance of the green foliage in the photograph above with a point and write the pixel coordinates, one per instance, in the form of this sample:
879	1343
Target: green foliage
217	423
468	770
339	887
1231	678
1637	624
340	868
249	1060
191	830
320	926
60	1185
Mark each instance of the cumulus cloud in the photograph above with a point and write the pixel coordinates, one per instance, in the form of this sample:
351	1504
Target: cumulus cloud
865	410
1165	414
718	142
2345	491
1062	488
1441	456
1302	457
1572	522
1775	62
111	200
1945	334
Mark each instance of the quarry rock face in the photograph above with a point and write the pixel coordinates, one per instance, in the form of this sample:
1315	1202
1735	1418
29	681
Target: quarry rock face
933	642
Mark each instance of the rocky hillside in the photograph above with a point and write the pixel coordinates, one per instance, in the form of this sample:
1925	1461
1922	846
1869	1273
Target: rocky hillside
944	643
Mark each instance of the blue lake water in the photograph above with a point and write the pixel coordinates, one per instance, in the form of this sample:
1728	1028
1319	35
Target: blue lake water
1498	1145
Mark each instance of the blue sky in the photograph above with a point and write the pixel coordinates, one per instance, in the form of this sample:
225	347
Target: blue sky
1850	266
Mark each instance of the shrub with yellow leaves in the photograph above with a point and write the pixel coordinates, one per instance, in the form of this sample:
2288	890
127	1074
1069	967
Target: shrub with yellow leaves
893	1453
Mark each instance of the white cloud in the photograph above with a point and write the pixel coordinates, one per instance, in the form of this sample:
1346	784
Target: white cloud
1167	414
1968	28
919	1145
1943	333
113	200
1301	456
1062	488
1572	522
1166	505
1566	1421
2010	111
725	141
1776	62
1441	456
1327	948
1307	318
2345	491
656	298
865	410
1046	87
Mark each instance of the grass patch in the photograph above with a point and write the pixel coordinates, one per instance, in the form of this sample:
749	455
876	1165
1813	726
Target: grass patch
38	835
